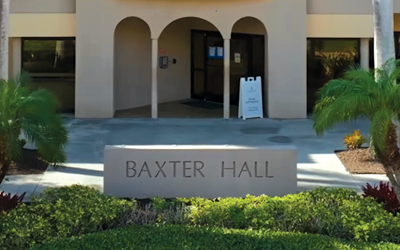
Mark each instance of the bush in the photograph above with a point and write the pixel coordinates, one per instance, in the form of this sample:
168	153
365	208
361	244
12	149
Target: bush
152	215
73	211
338	213
179	237
355	140
385	194
59	213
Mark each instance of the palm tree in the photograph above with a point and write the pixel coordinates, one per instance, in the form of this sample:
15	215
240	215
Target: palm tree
360	94
34	113
4	14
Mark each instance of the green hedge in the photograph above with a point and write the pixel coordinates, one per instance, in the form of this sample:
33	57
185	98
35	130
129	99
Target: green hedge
77	210
59	213
180	237
340	213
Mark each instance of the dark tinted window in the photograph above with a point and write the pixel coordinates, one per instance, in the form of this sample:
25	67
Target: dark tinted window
49	58
327	59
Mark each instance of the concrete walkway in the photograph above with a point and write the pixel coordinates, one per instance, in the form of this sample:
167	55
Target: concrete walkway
317	164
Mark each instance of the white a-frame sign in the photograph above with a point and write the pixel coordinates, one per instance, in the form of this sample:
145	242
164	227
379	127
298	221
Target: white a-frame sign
250	98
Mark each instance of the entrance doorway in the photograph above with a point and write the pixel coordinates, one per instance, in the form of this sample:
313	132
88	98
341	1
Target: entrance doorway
208	73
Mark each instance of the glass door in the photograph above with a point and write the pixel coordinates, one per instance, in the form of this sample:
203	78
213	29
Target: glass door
207	73
240	64
246	59
215	71
198	65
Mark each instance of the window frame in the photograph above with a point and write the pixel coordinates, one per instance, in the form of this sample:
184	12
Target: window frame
48	76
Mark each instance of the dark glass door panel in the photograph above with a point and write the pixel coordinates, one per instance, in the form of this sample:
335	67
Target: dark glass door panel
258	56
239	65
198	65
215	72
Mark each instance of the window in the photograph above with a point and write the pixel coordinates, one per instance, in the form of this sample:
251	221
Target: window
327	59
49	57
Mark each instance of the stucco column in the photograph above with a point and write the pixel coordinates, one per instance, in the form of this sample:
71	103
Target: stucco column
227	82
364	53
154	87
15	59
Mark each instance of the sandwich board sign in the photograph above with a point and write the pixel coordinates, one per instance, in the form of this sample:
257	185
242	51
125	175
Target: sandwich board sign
250	98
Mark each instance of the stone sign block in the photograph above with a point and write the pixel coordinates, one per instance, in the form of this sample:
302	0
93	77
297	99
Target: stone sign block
199	171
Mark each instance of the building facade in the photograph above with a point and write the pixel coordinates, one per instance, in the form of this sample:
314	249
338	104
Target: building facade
105	56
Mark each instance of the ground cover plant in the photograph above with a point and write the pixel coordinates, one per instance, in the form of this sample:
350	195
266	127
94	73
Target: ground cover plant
61	213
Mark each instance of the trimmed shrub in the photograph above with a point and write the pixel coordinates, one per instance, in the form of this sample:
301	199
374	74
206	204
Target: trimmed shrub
338	213
74	211
59	213
180	237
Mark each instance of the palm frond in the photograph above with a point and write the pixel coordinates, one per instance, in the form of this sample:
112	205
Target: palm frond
50	140
335	88
34	113
344	108
362	77
394	76
14	147
386	75
379	128
39	103
23	79
393	99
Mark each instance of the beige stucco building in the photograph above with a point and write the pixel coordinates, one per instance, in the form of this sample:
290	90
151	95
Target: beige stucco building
148	57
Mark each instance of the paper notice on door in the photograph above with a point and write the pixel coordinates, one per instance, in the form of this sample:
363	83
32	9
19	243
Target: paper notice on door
211	51
220	52
237	58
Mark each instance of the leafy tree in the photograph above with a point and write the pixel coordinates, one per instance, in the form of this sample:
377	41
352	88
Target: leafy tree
34	113
360	94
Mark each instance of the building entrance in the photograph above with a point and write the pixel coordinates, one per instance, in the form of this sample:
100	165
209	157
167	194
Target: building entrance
247	59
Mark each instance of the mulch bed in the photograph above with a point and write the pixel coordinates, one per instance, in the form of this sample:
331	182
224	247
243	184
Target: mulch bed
360	161
28	164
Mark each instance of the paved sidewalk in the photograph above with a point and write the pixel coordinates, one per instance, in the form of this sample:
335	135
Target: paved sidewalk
317	164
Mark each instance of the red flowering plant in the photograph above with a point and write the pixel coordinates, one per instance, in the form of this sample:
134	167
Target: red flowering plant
383	193
9	202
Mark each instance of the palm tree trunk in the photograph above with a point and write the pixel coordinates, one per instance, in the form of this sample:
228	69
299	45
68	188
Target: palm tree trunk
4	161
3	171
383	31
391	159
4	18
